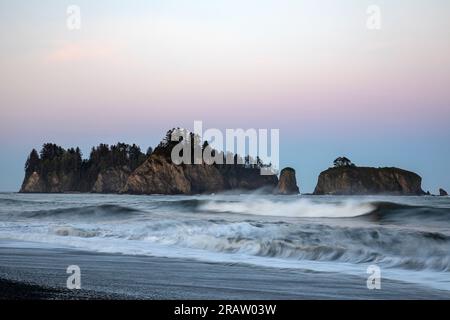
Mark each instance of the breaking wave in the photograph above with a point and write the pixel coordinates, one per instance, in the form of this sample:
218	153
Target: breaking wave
381	211
300	208
95	211
407	234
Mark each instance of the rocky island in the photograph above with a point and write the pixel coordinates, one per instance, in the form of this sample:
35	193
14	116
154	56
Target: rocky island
347	179
123	168
159	175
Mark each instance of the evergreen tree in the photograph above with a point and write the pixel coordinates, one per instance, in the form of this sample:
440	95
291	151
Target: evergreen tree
33	163
342	162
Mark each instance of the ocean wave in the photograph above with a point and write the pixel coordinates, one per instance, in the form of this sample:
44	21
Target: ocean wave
301	208
93	211
389	211
377	211
294	229
75	232
406	249
275	207
14	202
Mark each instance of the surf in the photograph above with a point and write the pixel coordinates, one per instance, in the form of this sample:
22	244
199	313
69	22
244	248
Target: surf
301	208
335	234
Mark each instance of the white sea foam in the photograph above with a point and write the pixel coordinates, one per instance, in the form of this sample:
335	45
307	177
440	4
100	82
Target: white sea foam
292	232
75	232
302	208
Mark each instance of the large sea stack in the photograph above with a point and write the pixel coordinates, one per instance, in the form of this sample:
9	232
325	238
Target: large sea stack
347	179
124	168
159	175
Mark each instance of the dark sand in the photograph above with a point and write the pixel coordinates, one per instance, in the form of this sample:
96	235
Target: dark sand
30	272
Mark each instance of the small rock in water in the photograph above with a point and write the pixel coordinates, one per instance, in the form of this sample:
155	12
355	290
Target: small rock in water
287	183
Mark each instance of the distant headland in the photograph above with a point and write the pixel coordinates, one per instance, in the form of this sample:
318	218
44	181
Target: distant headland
124	168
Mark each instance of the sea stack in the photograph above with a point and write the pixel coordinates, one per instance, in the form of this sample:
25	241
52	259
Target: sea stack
443	193
347	179
159	175
123	168
287	183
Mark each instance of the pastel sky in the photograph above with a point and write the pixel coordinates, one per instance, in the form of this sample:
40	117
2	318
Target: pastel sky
309	68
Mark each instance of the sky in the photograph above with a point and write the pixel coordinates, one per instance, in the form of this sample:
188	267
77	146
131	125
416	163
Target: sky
312	69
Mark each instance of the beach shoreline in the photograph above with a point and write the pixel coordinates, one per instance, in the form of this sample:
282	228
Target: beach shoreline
33	273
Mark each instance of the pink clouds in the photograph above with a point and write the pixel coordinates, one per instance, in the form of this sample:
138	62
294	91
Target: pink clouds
75	52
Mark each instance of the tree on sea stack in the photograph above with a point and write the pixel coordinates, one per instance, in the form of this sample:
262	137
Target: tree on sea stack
32	164
343	162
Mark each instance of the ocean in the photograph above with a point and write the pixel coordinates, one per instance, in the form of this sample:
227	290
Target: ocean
408	238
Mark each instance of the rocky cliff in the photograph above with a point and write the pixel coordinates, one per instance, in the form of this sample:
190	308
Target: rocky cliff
32	184
287	184
352	180
53	182
123	168
57	170
112	180
158	175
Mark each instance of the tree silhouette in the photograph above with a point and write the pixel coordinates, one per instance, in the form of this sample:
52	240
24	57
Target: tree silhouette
342	162
33	163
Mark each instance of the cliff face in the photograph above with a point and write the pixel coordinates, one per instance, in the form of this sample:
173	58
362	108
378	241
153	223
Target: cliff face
32	184
57	170
124	168
158	175
288	183
368	181
241	178
112	180
109	181
51	183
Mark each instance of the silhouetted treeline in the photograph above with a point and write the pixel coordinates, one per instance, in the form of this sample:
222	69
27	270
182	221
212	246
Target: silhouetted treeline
54	162
166	145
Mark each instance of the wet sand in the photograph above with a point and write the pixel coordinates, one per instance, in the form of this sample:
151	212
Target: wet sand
34	271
